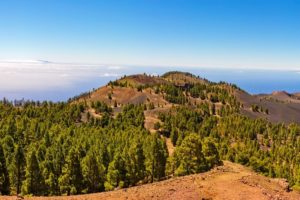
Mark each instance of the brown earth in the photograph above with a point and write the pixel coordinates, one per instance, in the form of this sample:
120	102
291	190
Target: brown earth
125	95
281	96
283	107
142	79
151	117
297	95
231	181
182	79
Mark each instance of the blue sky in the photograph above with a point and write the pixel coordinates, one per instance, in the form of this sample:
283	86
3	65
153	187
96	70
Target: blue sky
204	33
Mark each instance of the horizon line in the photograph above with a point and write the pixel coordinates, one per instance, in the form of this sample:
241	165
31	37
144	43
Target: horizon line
98	64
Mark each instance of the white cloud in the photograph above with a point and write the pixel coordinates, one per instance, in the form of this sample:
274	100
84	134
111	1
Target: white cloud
153	74
110	75
42	75
115	67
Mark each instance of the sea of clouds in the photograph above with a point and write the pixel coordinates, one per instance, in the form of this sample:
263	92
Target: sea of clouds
44	80
44	75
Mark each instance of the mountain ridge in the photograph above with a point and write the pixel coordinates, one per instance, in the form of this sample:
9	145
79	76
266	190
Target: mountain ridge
280	106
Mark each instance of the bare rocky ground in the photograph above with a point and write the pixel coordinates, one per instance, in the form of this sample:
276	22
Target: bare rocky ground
283	107
231	181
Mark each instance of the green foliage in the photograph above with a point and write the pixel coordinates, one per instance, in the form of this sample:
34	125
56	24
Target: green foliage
271	149
34	183
256	108
93	172
131	116
116	173
156	157
174	94
151	106
101	107
189	158
135	163
71	180
211	153
156	125
4	177
18	168
48	149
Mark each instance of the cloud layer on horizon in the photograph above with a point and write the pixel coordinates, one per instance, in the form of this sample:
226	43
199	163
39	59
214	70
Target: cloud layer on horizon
45	80
44	75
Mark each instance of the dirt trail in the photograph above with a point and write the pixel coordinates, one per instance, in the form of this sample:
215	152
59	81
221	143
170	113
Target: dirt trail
231	181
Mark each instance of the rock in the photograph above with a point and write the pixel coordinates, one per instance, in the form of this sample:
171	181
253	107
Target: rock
19	197
283	183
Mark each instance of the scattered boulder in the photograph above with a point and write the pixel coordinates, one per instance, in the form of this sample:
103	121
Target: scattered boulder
283	183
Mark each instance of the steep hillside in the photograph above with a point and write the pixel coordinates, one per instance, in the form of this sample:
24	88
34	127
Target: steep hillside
231	181
280	106
296	95
281	96
141	88
125	95
160	93
277	107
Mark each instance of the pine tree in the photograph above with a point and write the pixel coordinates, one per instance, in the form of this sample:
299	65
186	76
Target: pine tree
18	166
156	157
4	177
211	154
174	136
135	166
93	172
71	180
116	173
190	157
34	182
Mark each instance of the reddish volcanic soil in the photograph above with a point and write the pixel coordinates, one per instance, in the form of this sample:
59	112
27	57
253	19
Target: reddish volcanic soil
231	181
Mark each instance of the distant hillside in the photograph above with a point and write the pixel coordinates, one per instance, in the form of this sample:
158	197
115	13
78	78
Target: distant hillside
161	93
277	107
297	95
280	106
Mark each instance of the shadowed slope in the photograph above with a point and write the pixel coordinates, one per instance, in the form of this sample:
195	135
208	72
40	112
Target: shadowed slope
282	107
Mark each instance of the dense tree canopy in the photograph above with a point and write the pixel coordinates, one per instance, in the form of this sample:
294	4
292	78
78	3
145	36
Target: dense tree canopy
46	149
